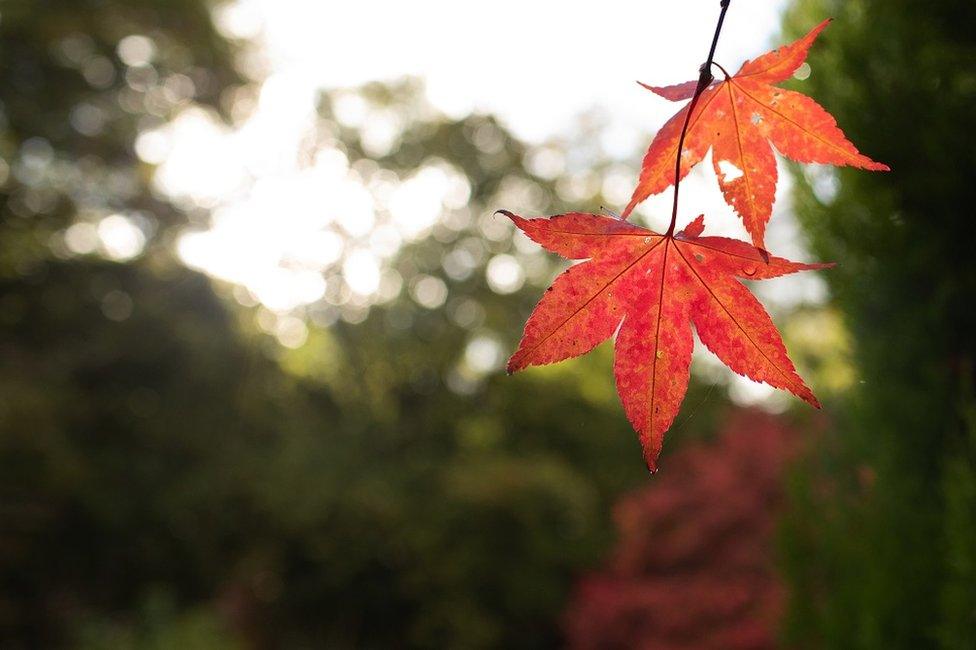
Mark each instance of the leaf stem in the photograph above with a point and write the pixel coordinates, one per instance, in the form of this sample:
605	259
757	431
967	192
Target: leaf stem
724	71
704	79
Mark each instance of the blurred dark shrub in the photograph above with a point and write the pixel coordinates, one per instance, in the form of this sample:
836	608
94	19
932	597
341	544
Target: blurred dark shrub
884	554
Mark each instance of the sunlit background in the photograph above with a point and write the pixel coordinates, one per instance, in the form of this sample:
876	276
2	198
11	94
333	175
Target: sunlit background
294	222
255	306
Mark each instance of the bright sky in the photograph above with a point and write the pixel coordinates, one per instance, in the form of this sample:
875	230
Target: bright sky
278	226
537	63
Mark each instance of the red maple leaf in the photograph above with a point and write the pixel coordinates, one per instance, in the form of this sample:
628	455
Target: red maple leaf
737	119
649	289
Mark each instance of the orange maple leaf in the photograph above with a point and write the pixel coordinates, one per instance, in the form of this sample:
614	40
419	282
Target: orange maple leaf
649	288
737	119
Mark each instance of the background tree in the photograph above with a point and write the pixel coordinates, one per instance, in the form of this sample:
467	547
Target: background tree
78	83
884	554
170	474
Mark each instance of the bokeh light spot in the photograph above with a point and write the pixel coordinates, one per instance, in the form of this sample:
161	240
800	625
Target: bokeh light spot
505	274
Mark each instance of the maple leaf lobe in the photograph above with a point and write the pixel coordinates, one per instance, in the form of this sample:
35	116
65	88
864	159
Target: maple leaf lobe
779	64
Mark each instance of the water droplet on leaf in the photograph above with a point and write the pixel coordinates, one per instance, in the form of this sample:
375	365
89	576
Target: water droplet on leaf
803	72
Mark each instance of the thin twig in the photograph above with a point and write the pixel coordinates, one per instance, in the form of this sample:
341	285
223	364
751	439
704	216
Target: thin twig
705	78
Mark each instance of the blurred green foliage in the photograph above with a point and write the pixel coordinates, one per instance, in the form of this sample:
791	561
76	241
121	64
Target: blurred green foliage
172	476
165	452
881	549
70	110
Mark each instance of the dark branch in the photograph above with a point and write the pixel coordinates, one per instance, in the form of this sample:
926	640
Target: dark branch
704	79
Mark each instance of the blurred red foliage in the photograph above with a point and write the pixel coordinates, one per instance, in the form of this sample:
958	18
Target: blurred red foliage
693	567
